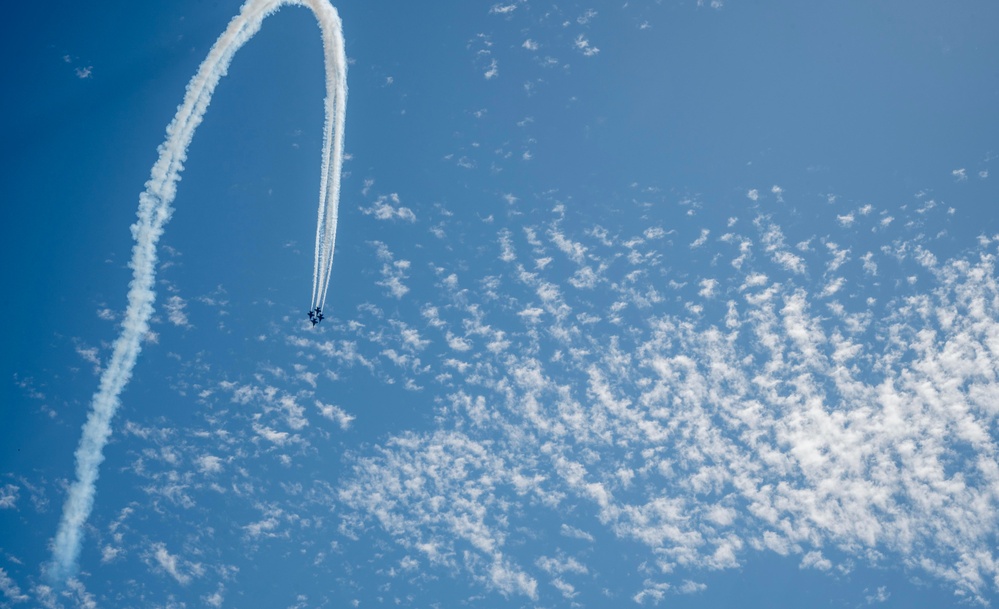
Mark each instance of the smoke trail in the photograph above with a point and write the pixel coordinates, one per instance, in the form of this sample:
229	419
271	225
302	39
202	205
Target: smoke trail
154	211
333	171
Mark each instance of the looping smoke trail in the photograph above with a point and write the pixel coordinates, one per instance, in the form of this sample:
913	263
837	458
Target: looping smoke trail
154	211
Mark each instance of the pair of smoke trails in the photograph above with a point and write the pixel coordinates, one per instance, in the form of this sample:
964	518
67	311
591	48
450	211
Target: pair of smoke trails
154	211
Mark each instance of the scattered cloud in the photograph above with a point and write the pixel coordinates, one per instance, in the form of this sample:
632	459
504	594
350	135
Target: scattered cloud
180	570
10	589
393	271
766	409
388	207
503	9
586	17
335	414
492	71
583	46
8	496
175	308
879	596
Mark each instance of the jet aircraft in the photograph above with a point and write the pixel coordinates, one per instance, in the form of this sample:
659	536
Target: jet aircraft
316	315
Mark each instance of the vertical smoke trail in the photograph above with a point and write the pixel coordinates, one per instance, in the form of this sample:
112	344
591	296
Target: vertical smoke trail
334	169
333	139
154	211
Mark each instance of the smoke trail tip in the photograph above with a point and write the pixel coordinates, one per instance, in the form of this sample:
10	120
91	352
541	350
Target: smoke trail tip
57	574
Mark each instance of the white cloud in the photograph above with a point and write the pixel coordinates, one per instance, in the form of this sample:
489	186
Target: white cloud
573	249
585	278
8	496
653	592
870	266
393	271
389	208
573	532
335	414
209	464
175	307
215	599
503	9
533	314
492	71
815	560
177	568
691	587
507	254
91	356
280	438
834	285
708	288
264	527
773	241
583	46
790	425
10	589
879	596
586	17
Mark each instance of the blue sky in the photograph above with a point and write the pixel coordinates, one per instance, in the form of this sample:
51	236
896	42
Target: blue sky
634	304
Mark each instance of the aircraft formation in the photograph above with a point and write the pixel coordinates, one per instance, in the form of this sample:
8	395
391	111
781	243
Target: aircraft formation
316	316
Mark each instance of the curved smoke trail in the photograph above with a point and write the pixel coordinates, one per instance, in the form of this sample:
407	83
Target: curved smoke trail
154	211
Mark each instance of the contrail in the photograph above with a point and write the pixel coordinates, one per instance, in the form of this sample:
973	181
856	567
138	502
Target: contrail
329	187
154	211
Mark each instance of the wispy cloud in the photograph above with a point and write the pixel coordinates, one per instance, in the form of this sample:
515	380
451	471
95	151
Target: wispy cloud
175	307
8	496
11	591
180	570
389	208
503	9
789	422
393	271
583	45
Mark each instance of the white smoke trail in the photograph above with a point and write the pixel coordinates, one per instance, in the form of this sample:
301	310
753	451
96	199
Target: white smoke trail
154	211
333	141
332	171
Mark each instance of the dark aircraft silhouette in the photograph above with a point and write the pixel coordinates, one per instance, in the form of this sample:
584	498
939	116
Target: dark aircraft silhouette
316	316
